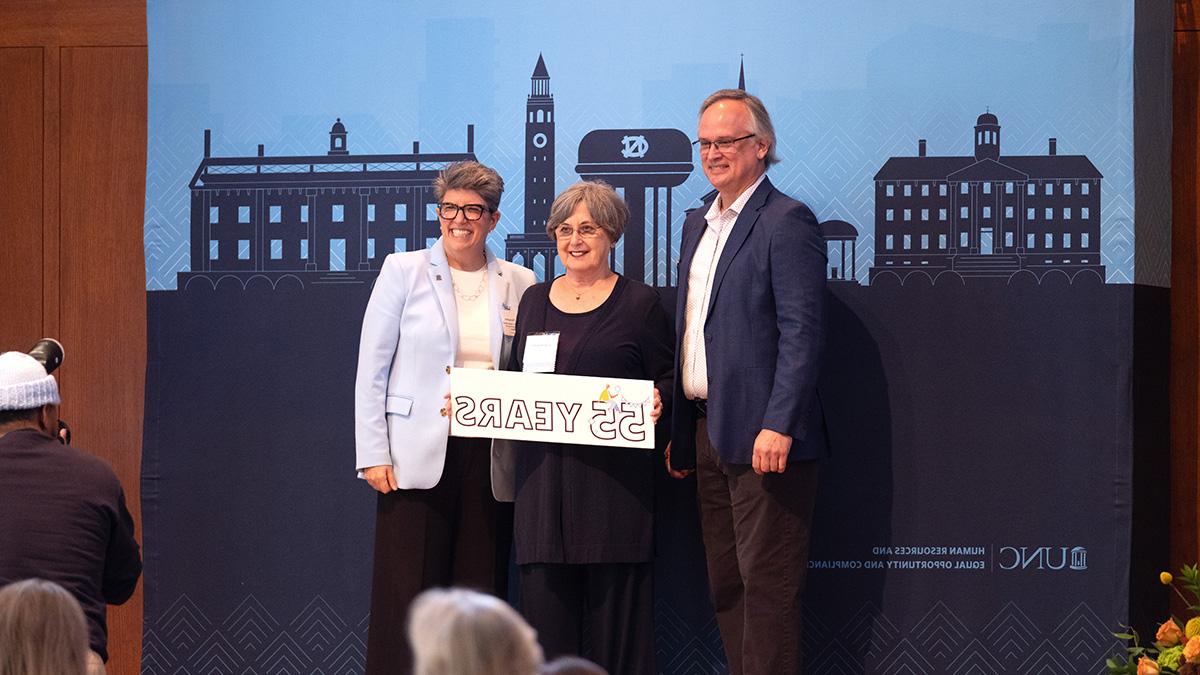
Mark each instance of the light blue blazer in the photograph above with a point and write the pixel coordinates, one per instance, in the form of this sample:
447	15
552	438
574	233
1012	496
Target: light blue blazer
408	344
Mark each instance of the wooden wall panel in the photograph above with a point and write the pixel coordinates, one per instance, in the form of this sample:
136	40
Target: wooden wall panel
50	182
1185	301
1187	14
73	22
72	179
21	139
103	281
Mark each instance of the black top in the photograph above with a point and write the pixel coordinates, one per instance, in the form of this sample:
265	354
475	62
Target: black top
584	503
63	519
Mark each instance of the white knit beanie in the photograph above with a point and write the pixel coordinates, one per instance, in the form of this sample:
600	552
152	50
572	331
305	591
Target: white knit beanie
24	384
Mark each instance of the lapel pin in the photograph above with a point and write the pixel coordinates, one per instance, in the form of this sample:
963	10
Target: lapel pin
438	277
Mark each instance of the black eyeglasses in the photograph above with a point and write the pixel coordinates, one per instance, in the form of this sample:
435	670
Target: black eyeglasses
721	144
470	211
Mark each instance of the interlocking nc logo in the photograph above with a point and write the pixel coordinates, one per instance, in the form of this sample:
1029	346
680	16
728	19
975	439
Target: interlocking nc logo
635	147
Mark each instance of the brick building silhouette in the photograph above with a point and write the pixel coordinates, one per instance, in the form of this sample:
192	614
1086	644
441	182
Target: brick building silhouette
987	214
310	219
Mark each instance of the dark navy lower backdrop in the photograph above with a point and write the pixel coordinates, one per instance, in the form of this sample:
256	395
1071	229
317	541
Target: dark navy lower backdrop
973	518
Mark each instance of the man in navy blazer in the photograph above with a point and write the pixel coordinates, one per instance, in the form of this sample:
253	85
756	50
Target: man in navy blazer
750	327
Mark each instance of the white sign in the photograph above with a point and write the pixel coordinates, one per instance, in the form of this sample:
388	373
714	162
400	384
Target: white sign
551	408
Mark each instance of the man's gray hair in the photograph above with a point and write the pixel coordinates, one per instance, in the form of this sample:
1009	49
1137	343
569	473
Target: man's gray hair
759	117
470	175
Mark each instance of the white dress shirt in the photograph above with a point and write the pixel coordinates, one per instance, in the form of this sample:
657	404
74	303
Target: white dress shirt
699	289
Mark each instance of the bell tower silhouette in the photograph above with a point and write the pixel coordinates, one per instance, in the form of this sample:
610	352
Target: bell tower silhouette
539	177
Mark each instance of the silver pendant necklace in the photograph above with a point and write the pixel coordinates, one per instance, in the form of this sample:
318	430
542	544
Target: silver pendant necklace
579	294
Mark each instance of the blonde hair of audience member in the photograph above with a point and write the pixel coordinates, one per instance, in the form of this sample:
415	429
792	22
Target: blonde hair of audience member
460	632
42	630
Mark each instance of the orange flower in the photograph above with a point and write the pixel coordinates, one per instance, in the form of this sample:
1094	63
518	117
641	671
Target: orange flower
1169	634
1147	666
1191	651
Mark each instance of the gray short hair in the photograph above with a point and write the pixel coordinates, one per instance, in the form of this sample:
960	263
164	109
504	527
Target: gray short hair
461	632
470	175
42	629
759	117
609	212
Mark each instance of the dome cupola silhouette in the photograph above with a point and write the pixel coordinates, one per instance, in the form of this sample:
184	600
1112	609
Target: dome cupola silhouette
987	137
337	139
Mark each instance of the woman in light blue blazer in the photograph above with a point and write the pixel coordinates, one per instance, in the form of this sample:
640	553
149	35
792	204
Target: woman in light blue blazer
438	517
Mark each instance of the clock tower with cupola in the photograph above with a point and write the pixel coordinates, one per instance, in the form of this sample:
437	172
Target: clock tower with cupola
539	177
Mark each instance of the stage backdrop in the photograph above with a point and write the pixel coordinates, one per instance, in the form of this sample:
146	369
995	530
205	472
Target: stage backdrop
973	166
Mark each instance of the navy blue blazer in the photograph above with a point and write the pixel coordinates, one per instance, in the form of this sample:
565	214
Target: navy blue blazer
764	334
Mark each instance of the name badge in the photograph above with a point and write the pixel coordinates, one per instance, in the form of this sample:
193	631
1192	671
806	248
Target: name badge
541	351
508	321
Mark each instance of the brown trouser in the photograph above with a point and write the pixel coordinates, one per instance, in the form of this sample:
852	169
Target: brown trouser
453	534
756	531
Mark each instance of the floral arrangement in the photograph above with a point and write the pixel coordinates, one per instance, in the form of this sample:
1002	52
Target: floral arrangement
1176	648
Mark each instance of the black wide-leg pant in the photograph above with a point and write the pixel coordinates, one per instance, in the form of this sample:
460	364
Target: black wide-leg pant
603	612
453	534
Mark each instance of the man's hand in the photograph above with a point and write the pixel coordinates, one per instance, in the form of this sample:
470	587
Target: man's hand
770	452
656	409
672	472
381	477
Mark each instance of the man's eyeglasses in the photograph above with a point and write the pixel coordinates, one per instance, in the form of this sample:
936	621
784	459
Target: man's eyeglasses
721	144
470	211
584	231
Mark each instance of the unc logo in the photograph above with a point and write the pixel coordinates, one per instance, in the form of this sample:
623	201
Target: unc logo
1042	558
1079	558
635	147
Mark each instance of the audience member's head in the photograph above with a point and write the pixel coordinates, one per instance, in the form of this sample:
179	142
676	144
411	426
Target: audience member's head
28	395
460	632
42	630
572	665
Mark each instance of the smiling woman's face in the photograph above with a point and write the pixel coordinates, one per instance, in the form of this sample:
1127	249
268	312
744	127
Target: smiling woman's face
580	254
464	239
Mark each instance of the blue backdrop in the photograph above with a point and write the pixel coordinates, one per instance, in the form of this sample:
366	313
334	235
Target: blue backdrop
975	516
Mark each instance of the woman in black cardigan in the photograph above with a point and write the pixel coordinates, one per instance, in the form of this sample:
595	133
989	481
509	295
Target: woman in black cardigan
585	514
